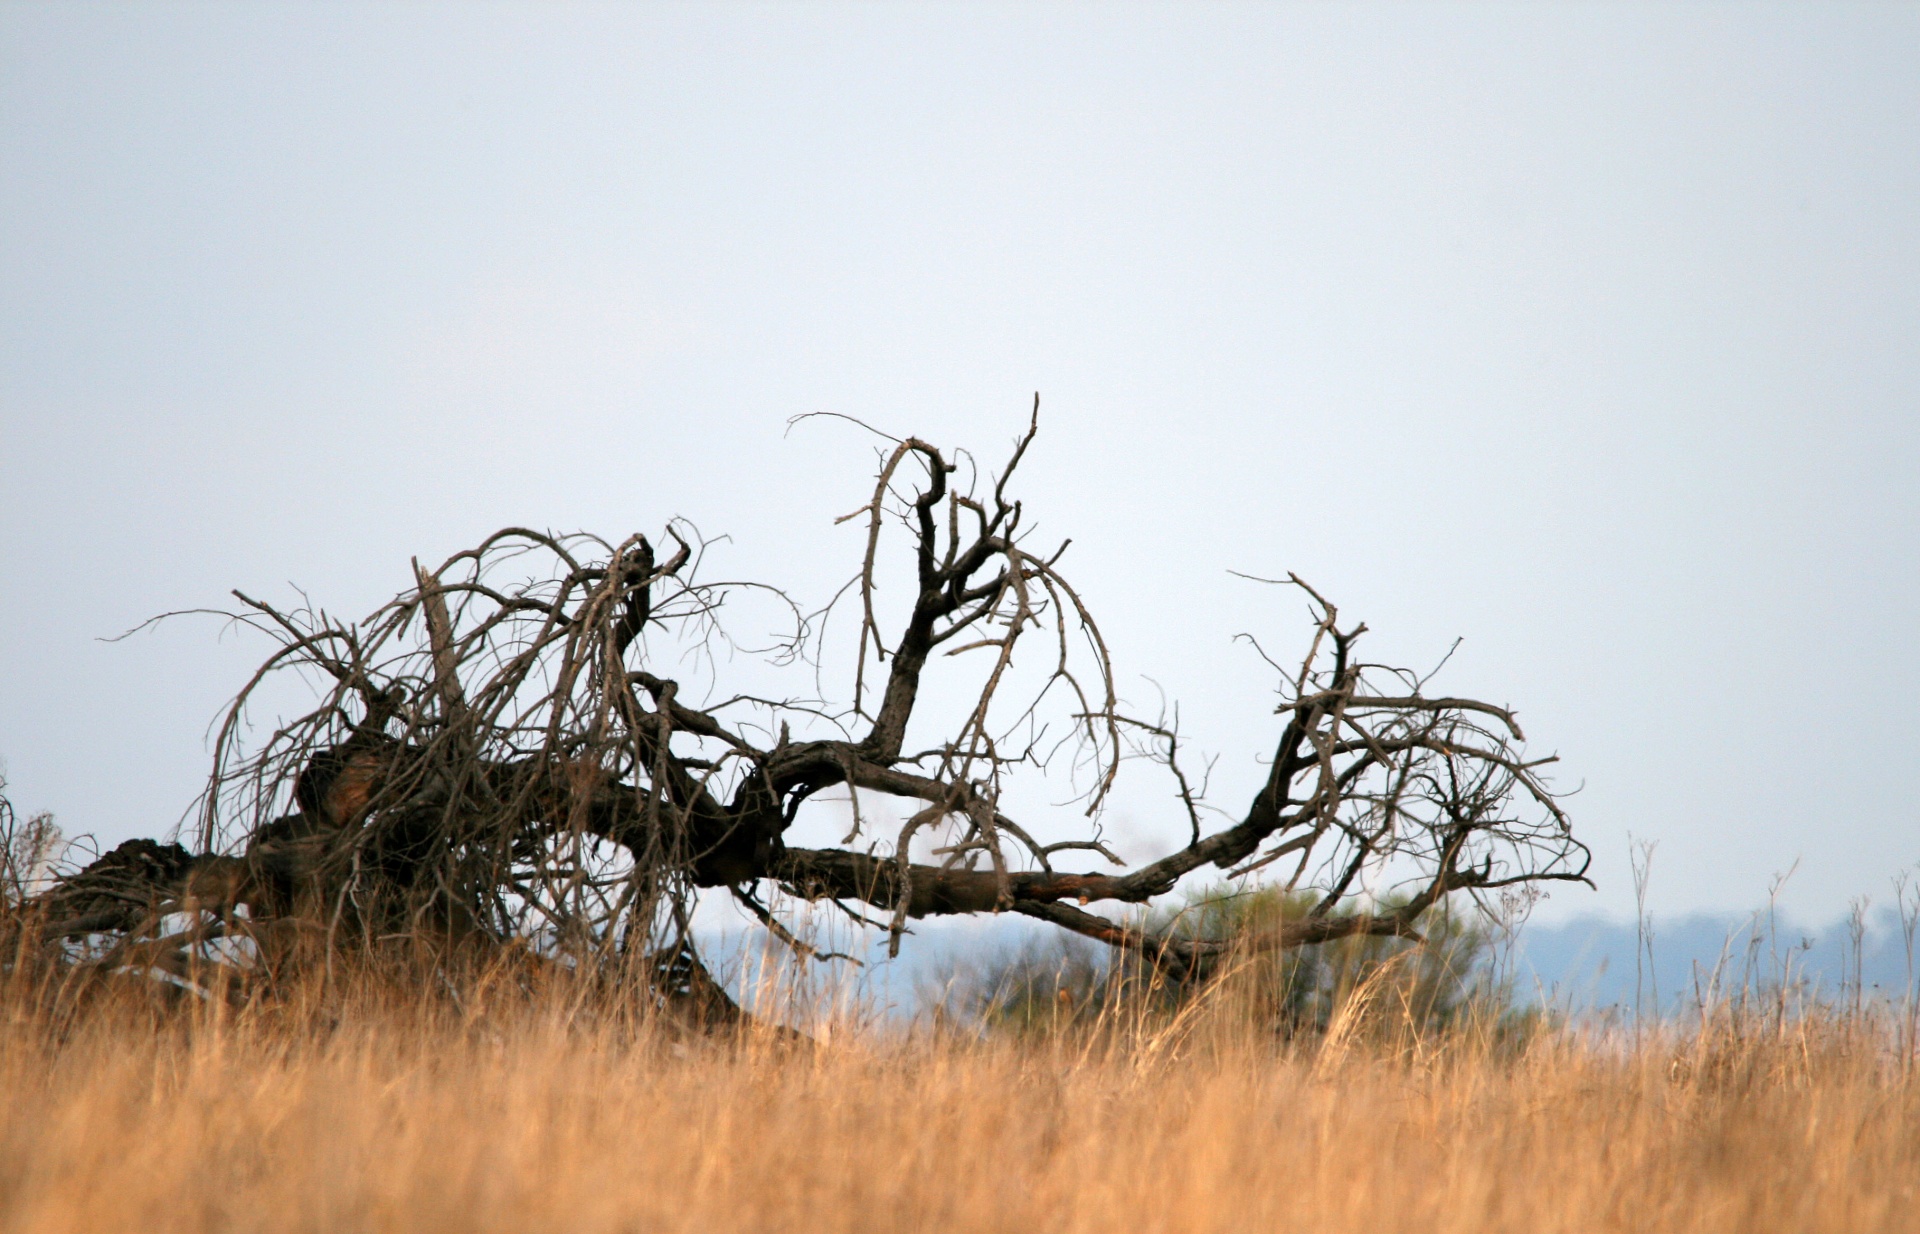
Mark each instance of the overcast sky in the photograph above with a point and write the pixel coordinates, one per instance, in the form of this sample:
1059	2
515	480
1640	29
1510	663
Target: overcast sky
1588	334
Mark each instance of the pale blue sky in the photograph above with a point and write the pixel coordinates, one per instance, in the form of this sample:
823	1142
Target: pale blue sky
1588	333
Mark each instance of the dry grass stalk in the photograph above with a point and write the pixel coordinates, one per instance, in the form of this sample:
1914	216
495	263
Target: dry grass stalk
513	1107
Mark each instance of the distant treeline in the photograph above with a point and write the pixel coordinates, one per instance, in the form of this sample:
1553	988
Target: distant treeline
1590	962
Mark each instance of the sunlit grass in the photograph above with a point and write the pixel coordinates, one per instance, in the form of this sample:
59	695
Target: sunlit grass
506	1107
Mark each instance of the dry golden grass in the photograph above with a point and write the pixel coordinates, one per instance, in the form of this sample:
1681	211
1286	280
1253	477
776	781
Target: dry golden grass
542	1114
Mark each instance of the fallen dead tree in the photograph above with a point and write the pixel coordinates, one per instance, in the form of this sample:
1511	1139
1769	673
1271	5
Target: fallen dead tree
501	753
